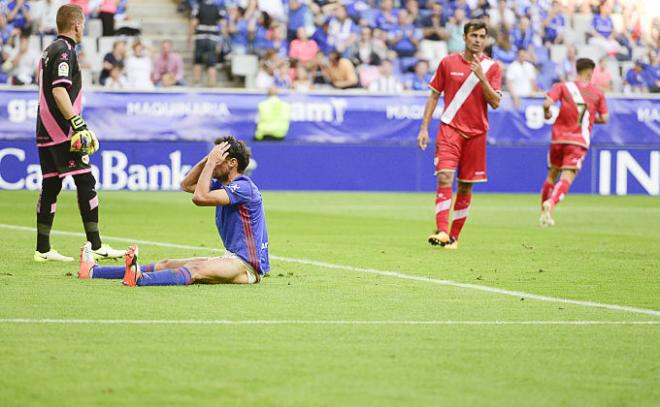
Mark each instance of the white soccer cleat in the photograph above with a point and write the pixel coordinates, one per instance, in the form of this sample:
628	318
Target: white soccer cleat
107	252
452	244
546	214
51	255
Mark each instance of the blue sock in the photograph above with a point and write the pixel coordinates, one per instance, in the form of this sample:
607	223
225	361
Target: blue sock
148	268
117	272
113	272
180	276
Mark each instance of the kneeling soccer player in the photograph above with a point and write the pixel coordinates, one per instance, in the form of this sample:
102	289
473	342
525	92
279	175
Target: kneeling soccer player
239	217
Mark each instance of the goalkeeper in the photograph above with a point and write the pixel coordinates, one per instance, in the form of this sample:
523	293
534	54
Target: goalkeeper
63	139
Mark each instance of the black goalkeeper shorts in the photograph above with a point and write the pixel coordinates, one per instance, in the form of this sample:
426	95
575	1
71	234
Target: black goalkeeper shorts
58	161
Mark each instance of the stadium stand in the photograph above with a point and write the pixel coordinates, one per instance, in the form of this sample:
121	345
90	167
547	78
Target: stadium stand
255	37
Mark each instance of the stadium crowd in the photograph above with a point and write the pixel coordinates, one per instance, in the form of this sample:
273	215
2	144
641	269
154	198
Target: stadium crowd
380	45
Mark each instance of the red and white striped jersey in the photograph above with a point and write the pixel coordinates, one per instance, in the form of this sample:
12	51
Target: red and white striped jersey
579	104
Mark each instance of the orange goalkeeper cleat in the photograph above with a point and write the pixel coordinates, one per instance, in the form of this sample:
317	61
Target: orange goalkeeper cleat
132	273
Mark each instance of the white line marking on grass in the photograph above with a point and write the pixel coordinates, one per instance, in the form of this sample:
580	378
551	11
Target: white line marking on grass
511	293
303	322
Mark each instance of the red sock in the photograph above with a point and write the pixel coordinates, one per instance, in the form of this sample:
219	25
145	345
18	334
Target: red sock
546	192
461	210
561	189
442	208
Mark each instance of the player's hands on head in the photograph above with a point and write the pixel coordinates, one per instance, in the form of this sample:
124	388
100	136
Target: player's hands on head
219	153
423	139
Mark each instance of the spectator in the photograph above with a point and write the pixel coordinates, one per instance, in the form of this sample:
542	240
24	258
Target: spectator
386	19
634	81
602	31
462	5
421	78
266	75
321	38
19	14
204	25
405	38
483	7
116	80
412	7
5	63
317	70
282	77
302	83
299	17
24	62
520	78
7	31
455	42
632	22
139	68
340	32
111	59
554	26
502	18
278	41
274	118
45	18
341	72
522	34
602	78
503	50
237	29
168	67
259	32
107	16
386	81
566	69
651	73
303	49
547	69
433	24
368	50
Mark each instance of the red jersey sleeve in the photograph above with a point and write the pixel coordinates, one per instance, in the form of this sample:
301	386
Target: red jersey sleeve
494	77
555	92
438	81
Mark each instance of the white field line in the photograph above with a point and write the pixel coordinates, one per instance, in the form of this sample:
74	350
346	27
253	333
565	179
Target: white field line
518	294
303	322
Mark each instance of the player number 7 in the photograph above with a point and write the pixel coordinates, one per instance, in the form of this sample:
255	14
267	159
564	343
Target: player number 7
582	108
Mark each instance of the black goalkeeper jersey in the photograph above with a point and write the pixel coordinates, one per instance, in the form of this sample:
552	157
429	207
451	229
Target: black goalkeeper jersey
58	66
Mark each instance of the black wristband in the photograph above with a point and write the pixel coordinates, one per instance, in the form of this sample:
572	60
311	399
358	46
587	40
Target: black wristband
78	123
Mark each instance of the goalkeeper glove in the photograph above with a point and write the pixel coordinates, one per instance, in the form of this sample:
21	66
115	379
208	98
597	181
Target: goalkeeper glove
83	139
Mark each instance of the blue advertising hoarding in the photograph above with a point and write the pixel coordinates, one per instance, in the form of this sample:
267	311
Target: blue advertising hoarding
334	118
157	165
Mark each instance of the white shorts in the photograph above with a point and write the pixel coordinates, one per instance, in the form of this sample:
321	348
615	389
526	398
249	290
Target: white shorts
252	275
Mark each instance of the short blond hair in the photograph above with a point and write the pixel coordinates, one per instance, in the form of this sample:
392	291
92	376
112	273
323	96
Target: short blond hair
67	16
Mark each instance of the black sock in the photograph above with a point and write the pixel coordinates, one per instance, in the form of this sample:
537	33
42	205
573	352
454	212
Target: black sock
46	206
88	204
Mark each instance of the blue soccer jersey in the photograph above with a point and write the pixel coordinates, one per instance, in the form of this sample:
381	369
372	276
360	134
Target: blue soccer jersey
242	223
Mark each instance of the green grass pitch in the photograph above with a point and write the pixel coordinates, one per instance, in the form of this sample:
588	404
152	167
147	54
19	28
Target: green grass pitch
604	250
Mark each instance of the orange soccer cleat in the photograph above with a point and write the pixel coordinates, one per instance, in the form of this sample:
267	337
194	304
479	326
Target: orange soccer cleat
439	238
86	261
132	273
